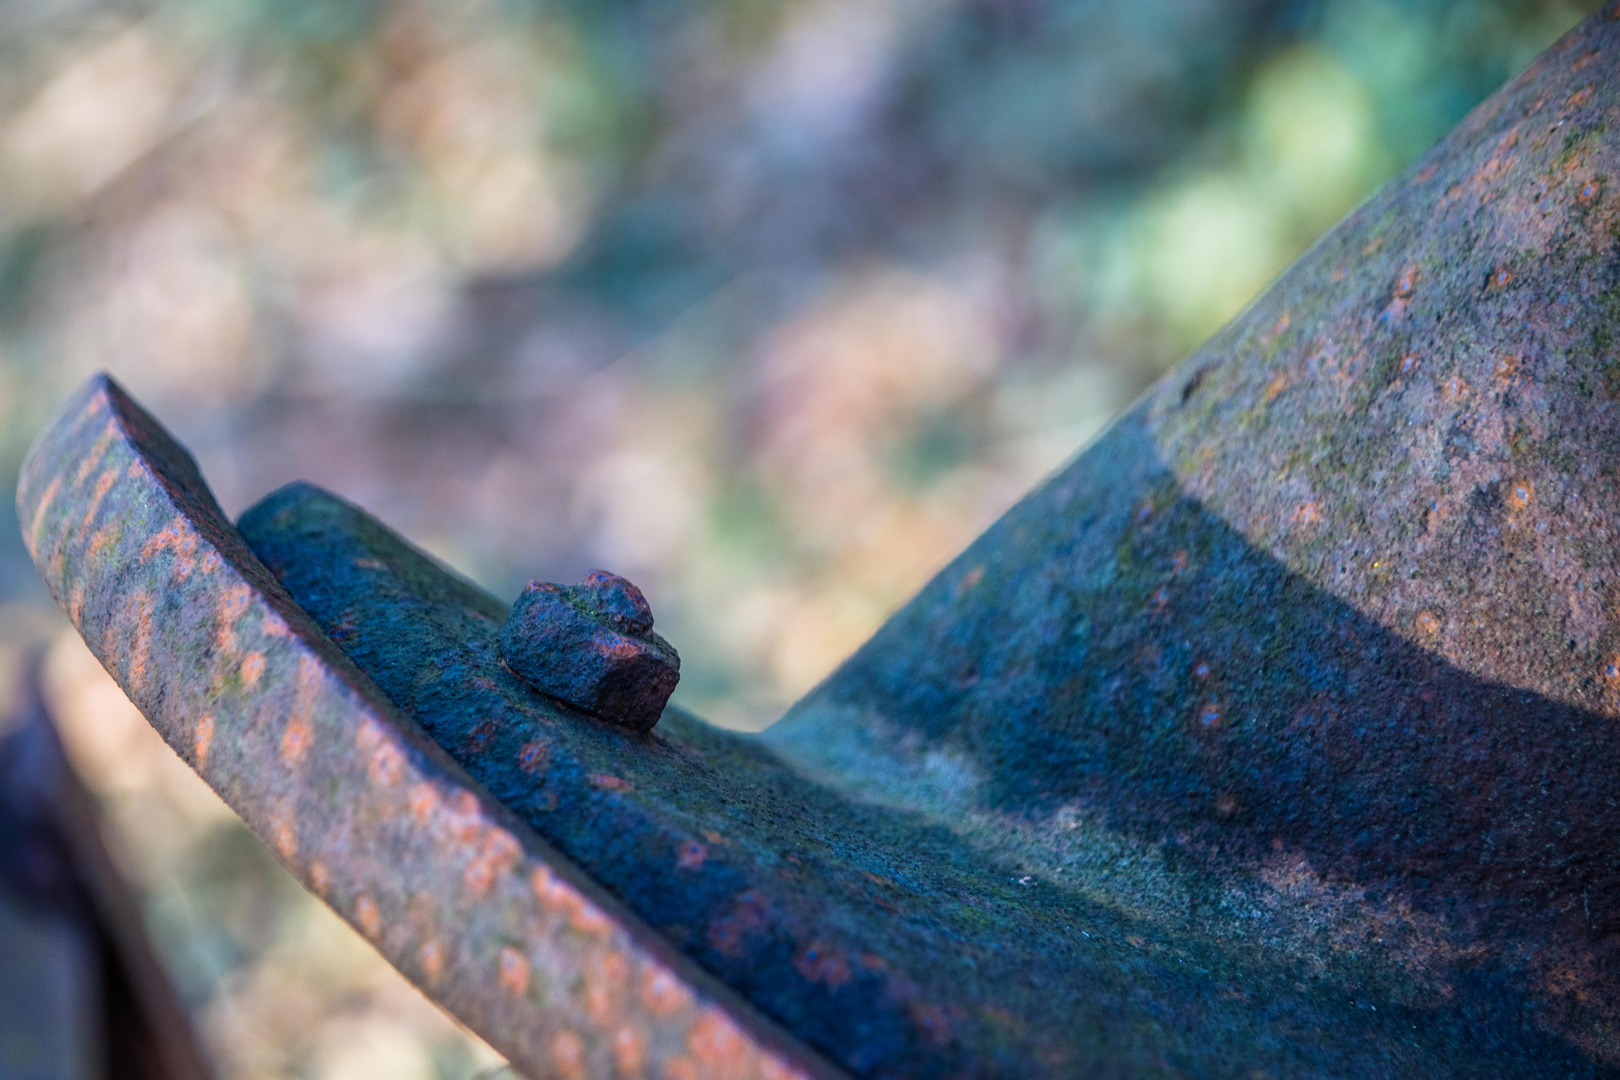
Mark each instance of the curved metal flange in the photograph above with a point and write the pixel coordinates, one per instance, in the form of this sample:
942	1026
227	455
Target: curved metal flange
373	817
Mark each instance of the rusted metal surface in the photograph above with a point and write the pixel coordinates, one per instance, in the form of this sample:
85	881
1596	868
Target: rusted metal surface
1276	736
1316	652
592	646
460	895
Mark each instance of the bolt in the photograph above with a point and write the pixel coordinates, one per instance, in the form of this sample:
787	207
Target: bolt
592	646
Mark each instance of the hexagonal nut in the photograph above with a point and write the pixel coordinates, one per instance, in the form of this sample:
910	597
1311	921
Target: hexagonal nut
592	646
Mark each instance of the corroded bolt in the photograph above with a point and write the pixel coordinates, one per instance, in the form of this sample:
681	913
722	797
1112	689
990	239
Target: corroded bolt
592	645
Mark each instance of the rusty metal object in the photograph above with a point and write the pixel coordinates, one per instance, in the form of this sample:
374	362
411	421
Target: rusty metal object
592	646
1315	653
1273	737
451	886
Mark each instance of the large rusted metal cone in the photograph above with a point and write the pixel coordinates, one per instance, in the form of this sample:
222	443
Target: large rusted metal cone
1316	652
1278	735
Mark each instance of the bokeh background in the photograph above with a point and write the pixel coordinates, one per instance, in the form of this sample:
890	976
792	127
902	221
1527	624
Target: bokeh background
769	305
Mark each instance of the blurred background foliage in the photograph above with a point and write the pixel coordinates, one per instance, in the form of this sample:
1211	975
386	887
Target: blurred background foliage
770	305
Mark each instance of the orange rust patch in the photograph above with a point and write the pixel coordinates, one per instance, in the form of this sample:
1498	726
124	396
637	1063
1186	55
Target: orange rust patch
109	431
387	766
431	959
309	686
497	855
1225	804
1507	368
141	648
76	606
101	538
368	916
104	484
619	648
252	668
555	896
320	879
690	854
568	1055
534	757
629	1052
1406	284
1500	278
772	1069
663	993
1276	386
932	1021
716	1044
284	839
210	563
605	782
820	963
465	818
513	971
300	730
587	918
1580	97
371	734
295	740
682	1067
1427	622
177	538
423	802
972	578
1520	494
1454	388
605	982
728	933
201	740
1307	513
233	603
272	625
1611	672
369	564
1209	714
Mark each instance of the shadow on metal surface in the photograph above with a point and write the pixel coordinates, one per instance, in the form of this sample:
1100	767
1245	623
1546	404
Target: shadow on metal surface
1273	737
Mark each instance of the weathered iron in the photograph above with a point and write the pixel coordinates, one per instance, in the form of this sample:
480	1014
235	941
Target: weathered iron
592	646
376	819
1275	736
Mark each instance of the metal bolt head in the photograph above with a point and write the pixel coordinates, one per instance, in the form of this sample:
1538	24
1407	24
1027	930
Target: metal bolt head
592	646
617	601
